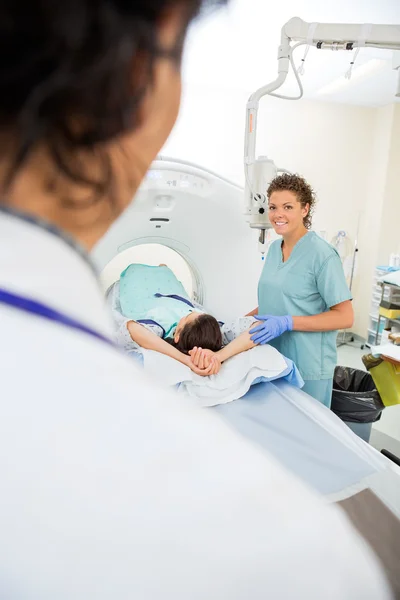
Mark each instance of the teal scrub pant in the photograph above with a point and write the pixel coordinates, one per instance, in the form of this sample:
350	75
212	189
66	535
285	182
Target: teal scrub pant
320	389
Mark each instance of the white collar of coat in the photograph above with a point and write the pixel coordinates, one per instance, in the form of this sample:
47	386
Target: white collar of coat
38	264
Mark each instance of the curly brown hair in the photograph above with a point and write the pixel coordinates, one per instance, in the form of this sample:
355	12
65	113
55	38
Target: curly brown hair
302	190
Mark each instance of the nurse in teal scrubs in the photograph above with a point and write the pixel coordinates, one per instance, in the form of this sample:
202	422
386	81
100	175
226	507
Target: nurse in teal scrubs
303	297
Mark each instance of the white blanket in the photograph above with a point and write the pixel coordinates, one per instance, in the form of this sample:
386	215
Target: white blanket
232	382
389	350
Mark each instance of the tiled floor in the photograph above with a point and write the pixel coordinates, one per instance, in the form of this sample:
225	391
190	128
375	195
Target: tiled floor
386	432
350	356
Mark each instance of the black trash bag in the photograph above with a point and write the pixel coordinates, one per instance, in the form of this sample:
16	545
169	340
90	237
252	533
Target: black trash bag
354	397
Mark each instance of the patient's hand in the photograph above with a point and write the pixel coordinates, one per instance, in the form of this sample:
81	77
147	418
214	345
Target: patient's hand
206	360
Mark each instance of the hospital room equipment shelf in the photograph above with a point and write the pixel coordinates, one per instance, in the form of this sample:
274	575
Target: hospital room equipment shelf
387	292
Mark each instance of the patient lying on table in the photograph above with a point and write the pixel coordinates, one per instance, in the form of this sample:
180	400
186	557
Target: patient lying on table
152	310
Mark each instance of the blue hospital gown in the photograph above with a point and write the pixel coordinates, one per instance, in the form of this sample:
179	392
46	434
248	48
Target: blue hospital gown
229	331
310	282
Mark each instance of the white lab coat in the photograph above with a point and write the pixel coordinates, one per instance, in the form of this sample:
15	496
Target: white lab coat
113	489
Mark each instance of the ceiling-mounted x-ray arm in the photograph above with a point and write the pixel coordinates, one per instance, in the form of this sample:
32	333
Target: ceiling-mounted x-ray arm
296	32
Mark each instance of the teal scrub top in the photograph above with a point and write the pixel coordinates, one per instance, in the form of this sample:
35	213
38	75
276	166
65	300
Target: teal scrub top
153	295
310	282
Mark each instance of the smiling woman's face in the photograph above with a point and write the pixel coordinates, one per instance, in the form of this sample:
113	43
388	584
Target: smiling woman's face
286	213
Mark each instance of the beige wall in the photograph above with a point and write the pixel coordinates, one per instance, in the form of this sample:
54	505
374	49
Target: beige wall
376	170
389	239
380	232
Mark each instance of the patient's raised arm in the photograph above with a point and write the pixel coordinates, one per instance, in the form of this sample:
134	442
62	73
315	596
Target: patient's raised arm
205	359
241	343
150	341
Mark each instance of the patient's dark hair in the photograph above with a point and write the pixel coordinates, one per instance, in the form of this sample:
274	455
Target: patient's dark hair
203	332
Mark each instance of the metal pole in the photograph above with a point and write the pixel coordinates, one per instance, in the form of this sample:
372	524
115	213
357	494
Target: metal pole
353	266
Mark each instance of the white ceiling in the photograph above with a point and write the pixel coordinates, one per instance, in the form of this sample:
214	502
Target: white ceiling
236	48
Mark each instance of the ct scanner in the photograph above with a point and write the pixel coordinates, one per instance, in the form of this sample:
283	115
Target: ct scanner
199	215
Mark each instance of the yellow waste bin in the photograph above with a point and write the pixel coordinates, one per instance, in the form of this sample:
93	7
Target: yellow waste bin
386	377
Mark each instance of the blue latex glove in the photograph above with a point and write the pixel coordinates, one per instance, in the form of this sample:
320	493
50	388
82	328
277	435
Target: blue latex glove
271	328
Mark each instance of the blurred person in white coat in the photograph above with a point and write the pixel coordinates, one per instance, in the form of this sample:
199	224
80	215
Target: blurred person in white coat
110	487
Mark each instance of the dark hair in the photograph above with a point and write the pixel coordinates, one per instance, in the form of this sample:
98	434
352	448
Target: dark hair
73	74
203	332
302	190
